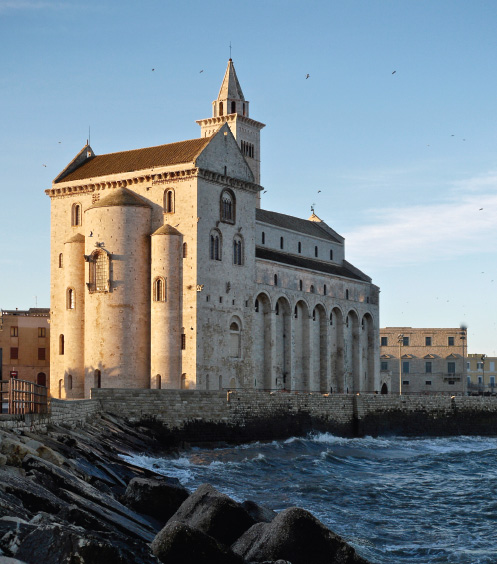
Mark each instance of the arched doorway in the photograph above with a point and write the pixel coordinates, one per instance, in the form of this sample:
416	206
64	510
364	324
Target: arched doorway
282	370
41	379
319	341
337	350
301	340
384	389
262	341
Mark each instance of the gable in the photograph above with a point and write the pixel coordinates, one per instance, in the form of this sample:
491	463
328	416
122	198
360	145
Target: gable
223	156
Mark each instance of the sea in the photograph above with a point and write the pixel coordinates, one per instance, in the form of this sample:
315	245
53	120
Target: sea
395	499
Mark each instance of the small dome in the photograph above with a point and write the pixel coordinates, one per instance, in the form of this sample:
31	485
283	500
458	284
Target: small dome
166	230
120	197
78	238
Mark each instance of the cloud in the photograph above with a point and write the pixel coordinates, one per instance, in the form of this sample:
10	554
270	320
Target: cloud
418	234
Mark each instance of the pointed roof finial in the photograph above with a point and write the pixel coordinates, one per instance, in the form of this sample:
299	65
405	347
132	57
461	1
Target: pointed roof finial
230	87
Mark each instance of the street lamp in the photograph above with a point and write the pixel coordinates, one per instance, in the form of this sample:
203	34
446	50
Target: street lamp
462	336
483	357
400	340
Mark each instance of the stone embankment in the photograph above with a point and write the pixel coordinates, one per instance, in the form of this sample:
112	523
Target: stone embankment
66	497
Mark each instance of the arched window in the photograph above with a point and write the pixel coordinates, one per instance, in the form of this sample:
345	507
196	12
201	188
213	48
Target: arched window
61	260
300	247
316	252
312	289
70	298
169	201
277	308
275	279
331	318
99	271
76	215
325	290
227	206
282	243
69	382
159	289
256	306
60	388
237	251
233	107
215	245
157	383
61	344
314	314
346	294
185	250
97	379
331	254
263	238
41	379
234	339
301	285
296	312
220	108
243	108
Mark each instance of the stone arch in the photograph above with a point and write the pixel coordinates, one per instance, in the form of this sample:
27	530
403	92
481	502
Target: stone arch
319	352
384	389
352	350
367	352
337	350
41	379
301	343
282	341
262	341
235	337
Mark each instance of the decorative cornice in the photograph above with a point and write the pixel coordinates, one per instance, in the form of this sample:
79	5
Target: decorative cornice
154	179
230	118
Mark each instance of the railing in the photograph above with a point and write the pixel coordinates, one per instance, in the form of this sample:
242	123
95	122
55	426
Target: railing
21	396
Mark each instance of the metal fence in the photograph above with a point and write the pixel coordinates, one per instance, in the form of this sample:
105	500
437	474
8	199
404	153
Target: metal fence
21	396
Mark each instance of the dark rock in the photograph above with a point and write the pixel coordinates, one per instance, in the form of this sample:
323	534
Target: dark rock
297	536
178	543
215	514
259	513
158	498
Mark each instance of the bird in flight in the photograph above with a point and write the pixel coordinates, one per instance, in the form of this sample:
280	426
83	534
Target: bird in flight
319	191
264	191
307	76
480	209
44	165
153	70
201	71
394	72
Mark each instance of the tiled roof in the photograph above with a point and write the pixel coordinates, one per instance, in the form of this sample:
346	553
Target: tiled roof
294	224
308	263
138	159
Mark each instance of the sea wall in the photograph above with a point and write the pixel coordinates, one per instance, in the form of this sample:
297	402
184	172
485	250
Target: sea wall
210	416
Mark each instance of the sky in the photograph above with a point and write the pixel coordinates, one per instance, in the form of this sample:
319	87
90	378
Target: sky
392	138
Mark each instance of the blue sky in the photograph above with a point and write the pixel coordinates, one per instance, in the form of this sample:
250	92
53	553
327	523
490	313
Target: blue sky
404	161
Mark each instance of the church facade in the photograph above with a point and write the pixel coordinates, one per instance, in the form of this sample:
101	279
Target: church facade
166	273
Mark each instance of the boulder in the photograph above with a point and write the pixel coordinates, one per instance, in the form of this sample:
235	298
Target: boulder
158	498
297	536
178	543
15	451
259	513
215	514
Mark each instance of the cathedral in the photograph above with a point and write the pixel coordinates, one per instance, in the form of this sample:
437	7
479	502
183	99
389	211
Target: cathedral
167	273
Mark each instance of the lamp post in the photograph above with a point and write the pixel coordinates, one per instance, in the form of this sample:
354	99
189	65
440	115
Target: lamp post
462	336
400	340
483	357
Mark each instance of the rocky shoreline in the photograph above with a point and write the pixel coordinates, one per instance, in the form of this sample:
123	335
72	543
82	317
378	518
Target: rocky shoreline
67	497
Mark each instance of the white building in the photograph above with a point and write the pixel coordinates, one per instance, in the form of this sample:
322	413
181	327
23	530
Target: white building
166	273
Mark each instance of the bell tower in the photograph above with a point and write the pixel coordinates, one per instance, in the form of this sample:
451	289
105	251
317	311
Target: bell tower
231	107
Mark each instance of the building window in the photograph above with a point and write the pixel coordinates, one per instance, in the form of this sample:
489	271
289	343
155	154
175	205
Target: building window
450	341
316	252
61	344
275	279
42	332
14	331
346	294
76	215
300	247
183	341
479	366
282	243
405	382
70	298
311	289
277	308
428	341
296	312
492	381
99	272
331	254
428	367
428	383
61	260
159	289
97	379
14	353
169	201
405	367
384	365
405	341
185	250
256	306
237	251
41	379
451	382
228	206
41	354
300	285
215	245
384	341
263	238
451	367
331	318
234	340
325	290
233	107
69	382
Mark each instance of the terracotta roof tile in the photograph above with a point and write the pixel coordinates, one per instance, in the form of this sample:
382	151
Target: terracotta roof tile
138	159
